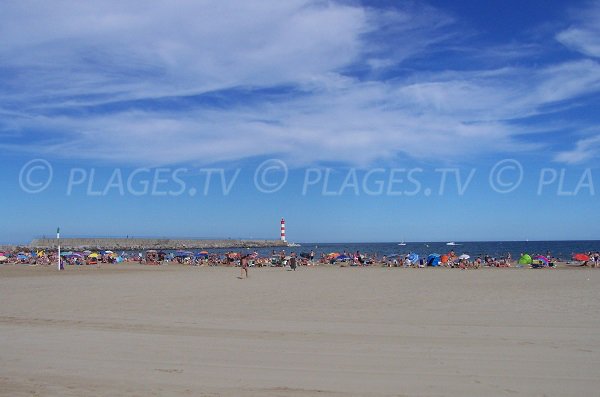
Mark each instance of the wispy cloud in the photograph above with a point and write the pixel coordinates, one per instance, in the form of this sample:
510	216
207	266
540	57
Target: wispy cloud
212	81
584	33
585	149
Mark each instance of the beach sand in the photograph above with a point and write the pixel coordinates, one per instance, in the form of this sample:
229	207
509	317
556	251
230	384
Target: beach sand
133	330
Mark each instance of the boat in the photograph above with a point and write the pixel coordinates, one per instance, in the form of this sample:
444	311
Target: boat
402	243
452	243
293	245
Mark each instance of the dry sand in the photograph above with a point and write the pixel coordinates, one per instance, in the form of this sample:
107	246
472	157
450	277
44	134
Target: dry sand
130	330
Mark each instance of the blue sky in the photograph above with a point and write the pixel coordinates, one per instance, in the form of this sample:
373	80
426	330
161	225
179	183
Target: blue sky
364	89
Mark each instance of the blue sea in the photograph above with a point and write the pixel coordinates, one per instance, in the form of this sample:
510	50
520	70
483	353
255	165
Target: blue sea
562	250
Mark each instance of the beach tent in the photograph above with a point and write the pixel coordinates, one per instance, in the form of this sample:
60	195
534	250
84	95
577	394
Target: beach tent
581	257
413	258
433	260
525	260
444	259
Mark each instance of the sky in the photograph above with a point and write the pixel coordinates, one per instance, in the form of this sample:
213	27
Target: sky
354	120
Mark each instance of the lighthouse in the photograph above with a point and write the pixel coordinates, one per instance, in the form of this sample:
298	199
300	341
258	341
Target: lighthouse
282	229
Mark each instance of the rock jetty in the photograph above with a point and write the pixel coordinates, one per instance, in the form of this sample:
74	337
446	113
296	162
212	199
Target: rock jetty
146	243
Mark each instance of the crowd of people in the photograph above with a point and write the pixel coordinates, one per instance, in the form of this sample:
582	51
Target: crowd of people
293	259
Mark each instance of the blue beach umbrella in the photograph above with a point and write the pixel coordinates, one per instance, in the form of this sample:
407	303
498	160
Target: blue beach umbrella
413	258
183	254
433	260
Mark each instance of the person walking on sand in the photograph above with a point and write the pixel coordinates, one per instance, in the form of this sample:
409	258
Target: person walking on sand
293	261
244	266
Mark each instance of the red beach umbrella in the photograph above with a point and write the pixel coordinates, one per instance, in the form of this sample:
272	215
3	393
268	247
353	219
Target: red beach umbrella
581	257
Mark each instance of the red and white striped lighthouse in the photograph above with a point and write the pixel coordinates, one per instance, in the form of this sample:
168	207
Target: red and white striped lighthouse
282	229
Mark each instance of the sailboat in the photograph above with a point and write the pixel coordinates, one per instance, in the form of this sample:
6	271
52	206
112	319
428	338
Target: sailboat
402	243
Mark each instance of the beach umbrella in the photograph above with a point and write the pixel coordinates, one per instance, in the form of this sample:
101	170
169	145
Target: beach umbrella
93	255
542	259
108	252
525	260
464	256
3	258
87	252
202	255
77	254
581	257
413	258
433	260
342	258
21	256
66	253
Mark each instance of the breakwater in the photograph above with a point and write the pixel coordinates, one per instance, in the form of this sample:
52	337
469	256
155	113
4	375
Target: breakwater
147	243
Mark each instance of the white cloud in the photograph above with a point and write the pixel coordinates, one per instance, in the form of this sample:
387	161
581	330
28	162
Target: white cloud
121	50
585	149
584	35
73	54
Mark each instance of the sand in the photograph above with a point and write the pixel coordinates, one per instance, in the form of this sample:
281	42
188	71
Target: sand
133	330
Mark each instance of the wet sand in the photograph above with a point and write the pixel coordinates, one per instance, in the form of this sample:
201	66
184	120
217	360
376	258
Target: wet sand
133	330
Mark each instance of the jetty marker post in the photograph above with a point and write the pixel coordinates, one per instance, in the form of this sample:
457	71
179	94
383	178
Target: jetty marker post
58	241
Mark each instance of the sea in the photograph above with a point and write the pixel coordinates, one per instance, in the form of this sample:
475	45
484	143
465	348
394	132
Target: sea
563	250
